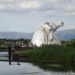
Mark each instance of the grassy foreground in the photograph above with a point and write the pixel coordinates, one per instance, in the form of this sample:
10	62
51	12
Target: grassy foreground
52	54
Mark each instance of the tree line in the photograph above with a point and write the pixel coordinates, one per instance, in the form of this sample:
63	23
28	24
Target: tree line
26	41
68	43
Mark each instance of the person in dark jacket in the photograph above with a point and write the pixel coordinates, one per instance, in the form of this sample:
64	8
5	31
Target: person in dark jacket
9	52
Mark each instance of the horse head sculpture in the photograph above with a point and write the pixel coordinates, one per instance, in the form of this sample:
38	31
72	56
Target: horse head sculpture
55	26
44	34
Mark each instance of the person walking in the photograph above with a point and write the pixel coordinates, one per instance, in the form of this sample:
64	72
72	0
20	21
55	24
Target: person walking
9	53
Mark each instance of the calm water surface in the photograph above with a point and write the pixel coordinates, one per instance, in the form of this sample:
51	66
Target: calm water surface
26	69
2	54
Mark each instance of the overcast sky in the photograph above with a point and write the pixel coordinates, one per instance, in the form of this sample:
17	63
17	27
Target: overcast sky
26	15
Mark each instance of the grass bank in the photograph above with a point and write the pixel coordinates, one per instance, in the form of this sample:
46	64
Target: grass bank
54	54
57	58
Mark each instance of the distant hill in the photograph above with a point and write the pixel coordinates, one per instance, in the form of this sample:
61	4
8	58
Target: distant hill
15	35
62	35
66	34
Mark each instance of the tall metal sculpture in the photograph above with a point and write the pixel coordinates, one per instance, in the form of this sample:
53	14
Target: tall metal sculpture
44	34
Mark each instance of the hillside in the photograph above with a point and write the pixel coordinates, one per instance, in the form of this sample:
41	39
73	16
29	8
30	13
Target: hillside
62	35
66	34
15	35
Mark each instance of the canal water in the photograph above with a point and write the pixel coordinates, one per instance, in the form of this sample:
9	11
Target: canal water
26	68
3	55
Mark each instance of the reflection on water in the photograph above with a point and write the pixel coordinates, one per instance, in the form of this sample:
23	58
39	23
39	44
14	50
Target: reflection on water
29	69
14	69
47	66
3	55
26	69
3	52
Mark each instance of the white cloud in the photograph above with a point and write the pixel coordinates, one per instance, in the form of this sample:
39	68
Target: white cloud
20	5
47	7
27	5
71	7
57	1
7	6
48	13
51	1
2	7
42	13
69	13
7	0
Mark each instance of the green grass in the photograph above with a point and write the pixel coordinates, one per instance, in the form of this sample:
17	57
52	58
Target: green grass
56	58
3	47
54	54
26	51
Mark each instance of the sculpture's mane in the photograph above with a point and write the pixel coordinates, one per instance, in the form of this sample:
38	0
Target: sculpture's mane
42	25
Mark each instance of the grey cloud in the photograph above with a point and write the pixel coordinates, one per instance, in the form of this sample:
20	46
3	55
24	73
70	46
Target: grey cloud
40	6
